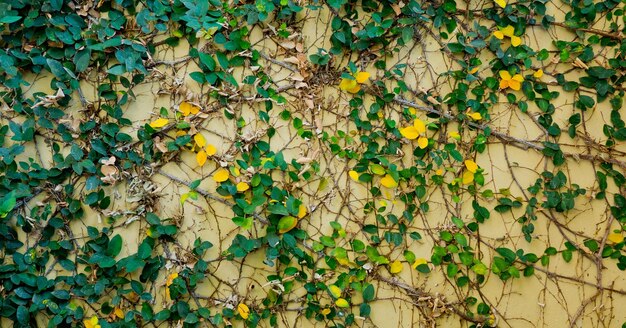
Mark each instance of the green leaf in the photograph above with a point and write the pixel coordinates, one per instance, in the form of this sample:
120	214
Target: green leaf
570	86
198	77
368	293
102	260
508	254
22	314
480	269
7	204
115	246
365	310
600	72
336	3
56	4
117	70
56	68
9	19
61	294
222	59
287	223
452	270
208	61
243	222
279	209
592	245
567	255
162	315
456	47
81	59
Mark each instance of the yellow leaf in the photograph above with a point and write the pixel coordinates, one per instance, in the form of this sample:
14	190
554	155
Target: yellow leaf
286	223
474	70
475	116
221	175
377	169
500	3
242	186
504	84
388	182
615	238
243	310
454	135
395	267
439	171
301	211
505	75
508	31
183	198
210	150
538	74
159	123
498	35
410	132
355	89
361	77
325	311
348	84
187	108
91	322
342	303
168	283
419	262
206	33
419	125
334	291
170	278
199	139
471	165
516	41
422	142
118	312
468	177
515	85
354	175
201	157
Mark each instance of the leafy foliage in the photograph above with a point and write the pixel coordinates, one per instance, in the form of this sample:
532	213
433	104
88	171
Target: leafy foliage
398	151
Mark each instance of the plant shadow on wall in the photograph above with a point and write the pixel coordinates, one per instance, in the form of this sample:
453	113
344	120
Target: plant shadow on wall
322	163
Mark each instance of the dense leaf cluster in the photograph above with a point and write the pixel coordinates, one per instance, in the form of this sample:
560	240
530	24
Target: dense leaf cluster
48	274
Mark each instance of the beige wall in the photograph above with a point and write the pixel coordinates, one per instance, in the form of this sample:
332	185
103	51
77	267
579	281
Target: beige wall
553	297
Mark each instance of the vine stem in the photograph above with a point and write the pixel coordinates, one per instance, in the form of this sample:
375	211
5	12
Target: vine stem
514	141
207	194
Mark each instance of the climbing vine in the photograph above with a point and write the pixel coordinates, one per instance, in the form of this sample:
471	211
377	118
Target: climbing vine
285	162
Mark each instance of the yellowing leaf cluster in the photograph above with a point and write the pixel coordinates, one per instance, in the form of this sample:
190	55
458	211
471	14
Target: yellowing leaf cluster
354	85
